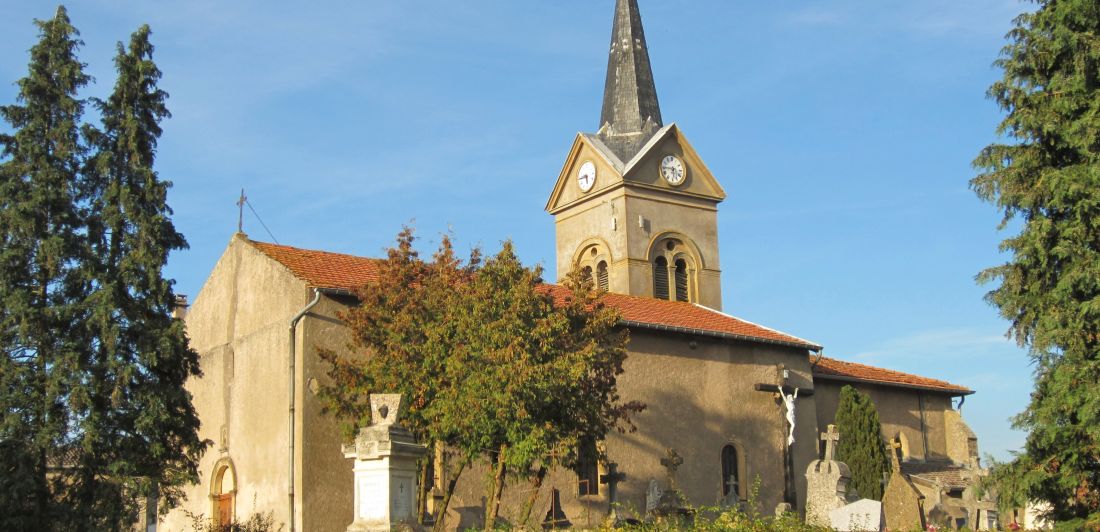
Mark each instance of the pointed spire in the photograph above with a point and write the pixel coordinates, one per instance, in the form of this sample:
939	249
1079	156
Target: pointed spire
630	109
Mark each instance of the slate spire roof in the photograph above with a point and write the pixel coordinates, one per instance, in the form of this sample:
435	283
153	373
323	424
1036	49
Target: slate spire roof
631	114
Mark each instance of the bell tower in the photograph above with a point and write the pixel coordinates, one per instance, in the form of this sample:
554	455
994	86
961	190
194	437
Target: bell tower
634	204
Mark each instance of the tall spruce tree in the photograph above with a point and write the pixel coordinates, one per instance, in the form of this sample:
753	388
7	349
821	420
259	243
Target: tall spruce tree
138	431
1046	176
861	445
43	279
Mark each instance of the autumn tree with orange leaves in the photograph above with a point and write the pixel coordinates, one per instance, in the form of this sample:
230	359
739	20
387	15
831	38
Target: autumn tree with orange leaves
497	367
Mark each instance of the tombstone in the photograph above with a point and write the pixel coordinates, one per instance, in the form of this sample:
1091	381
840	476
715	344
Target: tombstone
782	509
652	496
385	469
612	479
902	503
672	502
864	515
555	517
826	482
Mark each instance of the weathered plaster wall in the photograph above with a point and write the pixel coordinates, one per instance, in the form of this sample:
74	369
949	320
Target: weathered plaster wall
699	398
327	476
900	411
238	324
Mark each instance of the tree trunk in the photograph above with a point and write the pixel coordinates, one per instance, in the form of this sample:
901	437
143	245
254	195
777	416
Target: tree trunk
492	507
423	489
536	485
441	512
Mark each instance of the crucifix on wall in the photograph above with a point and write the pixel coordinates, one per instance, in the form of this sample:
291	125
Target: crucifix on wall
788	395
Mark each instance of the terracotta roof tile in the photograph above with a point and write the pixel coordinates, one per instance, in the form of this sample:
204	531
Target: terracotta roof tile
337	271
322	269
840	370
945	474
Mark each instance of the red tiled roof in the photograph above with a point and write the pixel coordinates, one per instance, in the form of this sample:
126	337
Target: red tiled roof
829	368
322	269
337	271
945	474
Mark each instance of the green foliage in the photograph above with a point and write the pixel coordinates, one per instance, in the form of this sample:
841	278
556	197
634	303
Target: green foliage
1047	178
42	275
861	444
257	522
495	365
95	416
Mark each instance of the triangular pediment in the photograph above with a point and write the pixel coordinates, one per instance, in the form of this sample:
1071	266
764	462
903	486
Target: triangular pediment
642	170
586	148
645	167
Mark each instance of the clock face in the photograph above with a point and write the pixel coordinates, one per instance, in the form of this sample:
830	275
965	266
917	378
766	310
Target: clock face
586	176
672	169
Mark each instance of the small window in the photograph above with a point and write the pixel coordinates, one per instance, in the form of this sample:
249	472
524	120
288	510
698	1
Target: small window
660	278
601	275
588	469
731	482
681	280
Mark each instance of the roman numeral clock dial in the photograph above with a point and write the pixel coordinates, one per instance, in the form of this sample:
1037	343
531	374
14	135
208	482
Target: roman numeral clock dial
672	169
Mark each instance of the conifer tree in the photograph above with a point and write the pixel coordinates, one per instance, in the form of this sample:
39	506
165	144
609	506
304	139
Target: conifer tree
43	279
1046	178
861	446
138	430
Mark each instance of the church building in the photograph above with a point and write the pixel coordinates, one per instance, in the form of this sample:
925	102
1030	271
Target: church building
635	205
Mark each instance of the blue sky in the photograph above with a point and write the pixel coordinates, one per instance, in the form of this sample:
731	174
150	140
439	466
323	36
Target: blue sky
842	131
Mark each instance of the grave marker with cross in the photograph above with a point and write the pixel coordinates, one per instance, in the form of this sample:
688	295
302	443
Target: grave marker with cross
612	479
895	447
831	437
672	461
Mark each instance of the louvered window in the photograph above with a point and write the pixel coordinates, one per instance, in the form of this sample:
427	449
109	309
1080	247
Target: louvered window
587	270
681	280
660	278
601	275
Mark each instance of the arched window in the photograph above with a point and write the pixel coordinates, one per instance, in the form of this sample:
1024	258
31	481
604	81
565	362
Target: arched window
593	261
660	278
681	280
731	475
601	275
676	263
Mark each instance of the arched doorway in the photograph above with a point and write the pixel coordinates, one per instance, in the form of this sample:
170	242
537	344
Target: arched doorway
223	492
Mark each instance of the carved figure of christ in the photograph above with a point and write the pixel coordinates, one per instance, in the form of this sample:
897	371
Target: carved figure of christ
788	402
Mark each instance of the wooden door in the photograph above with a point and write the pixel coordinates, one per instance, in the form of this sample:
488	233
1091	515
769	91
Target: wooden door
225	509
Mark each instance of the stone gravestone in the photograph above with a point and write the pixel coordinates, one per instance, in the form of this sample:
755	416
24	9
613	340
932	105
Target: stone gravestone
652	496
612	479
385	469
902	503
864	515
672	502
826	482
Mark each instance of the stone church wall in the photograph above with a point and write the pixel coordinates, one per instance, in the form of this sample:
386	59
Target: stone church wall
700	396
238	325
900	412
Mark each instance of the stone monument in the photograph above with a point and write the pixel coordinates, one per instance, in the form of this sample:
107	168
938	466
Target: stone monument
385	469
672	502
826	482
864	515
902	503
